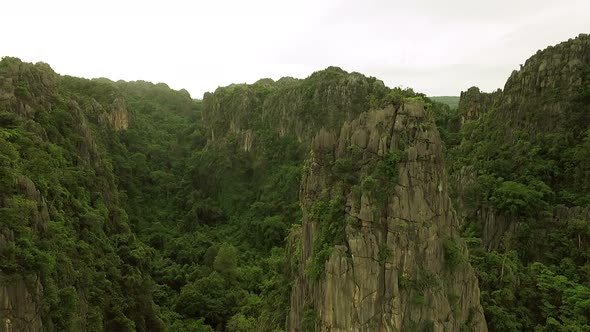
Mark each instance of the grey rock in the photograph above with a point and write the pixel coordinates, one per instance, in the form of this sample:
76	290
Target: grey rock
390	274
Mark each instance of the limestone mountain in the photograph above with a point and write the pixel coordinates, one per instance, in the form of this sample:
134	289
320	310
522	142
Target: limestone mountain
316	204
379	246
474	103
69	259
521	177
291	107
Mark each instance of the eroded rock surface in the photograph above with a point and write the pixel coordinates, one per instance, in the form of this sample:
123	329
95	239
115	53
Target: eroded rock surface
399	265
541	104
473	103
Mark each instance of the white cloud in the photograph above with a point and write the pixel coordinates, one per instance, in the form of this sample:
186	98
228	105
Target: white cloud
437	47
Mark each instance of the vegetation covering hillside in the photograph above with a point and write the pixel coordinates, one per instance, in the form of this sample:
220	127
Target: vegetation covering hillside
64	227
522	172
121	213
129	206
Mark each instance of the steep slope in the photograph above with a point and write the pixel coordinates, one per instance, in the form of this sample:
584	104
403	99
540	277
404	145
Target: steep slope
268	124
473	103
68	258
379	248
521	176
292	106
250	167
125	207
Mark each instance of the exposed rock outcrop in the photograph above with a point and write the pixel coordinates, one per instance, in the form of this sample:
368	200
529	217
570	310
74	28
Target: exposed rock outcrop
547	84
20	302
541	100
118	116
21	295
26	88
293	107
398	264
55	173
473	103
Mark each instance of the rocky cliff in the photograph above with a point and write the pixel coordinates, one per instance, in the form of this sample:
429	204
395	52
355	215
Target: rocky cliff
473	103
547	85
289	106
117	116
520	176
24	89
21	295
60	211
541	113
378	249
21	303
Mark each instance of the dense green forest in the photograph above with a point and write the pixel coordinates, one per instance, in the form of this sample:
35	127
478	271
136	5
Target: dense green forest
117	206
129	206
521	171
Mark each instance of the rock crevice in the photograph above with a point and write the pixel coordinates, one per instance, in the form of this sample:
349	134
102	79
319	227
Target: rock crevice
391	271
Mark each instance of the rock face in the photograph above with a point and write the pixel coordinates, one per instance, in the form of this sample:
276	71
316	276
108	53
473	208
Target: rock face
58	194
118	116
547	84
473	103
20	300
395	261
541	99
26	88
289	107
21	295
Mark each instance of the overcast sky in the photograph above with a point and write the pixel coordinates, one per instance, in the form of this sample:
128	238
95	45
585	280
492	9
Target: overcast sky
434	46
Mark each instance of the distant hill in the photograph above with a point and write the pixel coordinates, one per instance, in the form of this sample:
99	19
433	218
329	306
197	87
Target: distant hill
452	101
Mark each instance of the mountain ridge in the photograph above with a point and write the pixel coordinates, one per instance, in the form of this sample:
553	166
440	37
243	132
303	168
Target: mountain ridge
131	206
